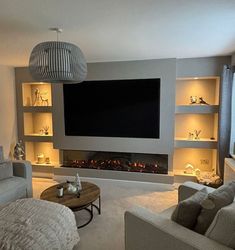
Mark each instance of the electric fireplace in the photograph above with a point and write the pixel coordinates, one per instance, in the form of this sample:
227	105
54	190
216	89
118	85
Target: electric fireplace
116	161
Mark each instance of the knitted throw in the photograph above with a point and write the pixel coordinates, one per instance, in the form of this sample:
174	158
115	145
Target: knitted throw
37	224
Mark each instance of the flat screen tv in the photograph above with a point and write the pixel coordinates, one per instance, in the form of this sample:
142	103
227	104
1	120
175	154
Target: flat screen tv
113	108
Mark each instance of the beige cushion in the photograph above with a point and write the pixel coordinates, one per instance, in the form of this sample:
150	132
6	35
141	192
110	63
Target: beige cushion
6	170
187	211
222	229
221	197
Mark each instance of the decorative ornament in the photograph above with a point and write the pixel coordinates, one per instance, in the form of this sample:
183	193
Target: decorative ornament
193	99
188	169
19	152
45	130
47	160
197	133
40	158
197	172
201	101
36	101
190	136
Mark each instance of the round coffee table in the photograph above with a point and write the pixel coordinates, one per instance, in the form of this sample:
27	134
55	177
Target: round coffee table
88	195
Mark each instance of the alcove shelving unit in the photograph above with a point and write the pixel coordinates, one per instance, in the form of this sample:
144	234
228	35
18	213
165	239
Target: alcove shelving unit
190	117
35	126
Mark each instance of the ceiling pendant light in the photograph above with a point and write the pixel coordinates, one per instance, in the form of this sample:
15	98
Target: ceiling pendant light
57	62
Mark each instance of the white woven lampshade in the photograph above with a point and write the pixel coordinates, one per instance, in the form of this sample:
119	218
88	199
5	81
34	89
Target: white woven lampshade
57	62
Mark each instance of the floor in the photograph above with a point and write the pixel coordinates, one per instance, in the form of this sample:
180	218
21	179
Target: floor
106	231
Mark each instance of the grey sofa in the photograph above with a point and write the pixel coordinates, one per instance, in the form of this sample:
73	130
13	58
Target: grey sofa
151	231
19	185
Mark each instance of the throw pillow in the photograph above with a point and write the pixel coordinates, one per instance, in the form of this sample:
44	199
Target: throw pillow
221	197
6	170
187	211
222	229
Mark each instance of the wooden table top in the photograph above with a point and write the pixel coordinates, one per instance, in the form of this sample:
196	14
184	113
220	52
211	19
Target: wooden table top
89	193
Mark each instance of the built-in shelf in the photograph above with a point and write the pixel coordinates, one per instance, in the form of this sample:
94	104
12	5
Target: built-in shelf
201	143
52	164
196	109
180	176
38	138
35	109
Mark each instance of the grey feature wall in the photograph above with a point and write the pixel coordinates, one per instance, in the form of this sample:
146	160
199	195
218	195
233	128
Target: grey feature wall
164	69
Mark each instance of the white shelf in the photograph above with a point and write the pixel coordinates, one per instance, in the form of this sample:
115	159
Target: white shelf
202	143
197	109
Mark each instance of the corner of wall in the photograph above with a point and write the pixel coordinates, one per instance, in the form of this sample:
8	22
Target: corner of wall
8	121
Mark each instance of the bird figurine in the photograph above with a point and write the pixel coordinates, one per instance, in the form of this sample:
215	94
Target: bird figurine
201	101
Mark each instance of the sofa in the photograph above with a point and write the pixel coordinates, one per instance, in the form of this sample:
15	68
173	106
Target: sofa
150	231
15	180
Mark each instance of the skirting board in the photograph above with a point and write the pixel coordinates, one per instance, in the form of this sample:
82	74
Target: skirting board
115	175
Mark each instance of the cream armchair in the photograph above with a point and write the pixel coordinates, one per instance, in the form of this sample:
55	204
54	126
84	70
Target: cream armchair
145	230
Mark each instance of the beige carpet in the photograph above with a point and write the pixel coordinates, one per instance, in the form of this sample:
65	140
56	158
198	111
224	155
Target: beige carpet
106	231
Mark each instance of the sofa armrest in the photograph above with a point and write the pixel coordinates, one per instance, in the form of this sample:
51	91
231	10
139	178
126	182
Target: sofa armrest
149	231
189	188
24	169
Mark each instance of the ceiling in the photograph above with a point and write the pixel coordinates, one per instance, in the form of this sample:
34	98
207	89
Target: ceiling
118	30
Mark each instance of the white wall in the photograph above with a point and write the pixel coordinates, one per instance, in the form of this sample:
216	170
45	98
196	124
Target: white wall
8	122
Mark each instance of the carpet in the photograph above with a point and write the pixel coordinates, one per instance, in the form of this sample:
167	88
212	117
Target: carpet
106	231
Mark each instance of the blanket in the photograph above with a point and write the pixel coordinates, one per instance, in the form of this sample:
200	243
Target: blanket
38	225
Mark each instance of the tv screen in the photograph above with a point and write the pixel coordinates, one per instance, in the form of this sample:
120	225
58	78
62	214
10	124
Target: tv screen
113	108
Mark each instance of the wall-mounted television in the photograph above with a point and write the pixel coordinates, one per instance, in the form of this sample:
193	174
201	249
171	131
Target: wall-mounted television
113	108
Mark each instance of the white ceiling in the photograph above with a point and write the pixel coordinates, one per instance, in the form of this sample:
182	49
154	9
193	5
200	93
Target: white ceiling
117	30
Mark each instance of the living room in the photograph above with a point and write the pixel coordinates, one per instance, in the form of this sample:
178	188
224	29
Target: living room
149	121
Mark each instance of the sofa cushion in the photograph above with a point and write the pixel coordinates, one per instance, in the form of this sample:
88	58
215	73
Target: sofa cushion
222	229
186	211
12	188
6	170
221	197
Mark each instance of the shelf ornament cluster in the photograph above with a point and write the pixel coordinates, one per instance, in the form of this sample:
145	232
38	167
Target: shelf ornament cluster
39	100
194	135
189	169
200	100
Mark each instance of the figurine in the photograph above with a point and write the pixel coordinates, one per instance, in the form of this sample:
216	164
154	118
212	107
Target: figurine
44	101
189	169
190	136
193	99
201	101
197	172
19	152
37	97
197	132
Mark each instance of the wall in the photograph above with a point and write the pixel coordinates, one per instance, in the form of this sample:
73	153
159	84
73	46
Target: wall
8	123
200	67
165	69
